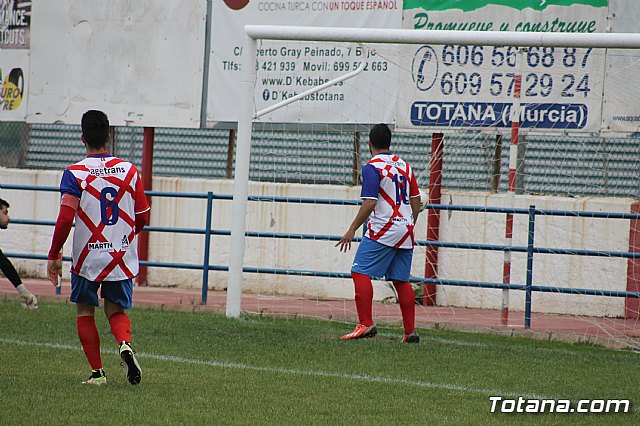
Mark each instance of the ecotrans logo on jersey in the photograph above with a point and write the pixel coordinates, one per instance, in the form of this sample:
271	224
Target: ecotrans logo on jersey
236	4
11	89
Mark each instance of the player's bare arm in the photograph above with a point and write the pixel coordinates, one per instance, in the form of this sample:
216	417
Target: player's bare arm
415	207
68	206
363	213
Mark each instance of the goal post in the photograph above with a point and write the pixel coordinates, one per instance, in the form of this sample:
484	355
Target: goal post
241	180
241	188
363	36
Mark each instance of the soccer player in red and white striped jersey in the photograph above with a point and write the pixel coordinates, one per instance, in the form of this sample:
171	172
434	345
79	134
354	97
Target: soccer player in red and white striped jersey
106	197
391	201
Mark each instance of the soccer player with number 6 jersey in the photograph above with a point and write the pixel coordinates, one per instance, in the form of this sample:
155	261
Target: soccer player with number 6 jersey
106	197
391	202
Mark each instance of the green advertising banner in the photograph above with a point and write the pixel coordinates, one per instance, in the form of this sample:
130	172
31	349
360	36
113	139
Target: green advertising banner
470	5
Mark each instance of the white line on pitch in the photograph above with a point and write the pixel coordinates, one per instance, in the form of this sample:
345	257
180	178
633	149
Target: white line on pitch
512	346
297	372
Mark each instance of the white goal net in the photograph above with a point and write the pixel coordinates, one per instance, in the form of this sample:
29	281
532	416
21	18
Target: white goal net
521	123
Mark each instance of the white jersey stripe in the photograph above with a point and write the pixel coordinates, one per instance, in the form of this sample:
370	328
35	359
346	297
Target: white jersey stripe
391	222
104	243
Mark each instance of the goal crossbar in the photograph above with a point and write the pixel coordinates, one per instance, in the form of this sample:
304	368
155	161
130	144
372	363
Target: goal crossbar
473	38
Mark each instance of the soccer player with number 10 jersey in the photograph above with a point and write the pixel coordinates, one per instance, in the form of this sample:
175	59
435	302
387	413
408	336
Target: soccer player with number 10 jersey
106	197
391	202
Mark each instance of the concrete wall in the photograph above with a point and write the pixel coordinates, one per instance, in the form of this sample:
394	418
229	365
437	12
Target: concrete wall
604	273
551	232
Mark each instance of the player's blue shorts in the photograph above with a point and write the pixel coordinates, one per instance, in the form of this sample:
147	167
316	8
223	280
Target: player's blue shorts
85	291
377	261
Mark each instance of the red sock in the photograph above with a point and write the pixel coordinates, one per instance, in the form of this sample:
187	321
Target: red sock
407	300
120	327
364	297
90	340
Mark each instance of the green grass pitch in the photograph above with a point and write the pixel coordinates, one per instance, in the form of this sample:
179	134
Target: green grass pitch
201	368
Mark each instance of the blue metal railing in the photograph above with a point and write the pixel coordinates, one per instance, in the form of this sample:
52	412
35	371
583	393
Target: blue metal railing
530	249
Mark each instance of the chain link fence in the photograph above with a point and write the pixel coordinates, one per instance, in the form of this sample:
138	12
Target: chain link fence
14	142
548	164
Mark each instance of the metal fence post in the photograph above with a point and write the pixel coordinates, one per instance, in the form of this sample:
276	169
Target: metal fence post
207	245
529	282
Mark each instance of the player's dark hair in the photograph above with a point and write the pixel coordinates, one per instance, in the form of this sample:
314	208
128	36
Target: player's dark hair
95	128
3	203
380	136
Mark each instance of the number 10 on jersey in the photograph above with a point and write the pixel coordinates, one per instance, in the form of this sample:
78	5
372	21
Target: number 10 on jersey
401	189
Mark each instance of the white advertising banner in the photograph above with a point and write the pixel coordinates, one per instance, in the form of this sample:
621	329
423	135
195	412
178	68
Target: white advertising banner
139	61
621	109
454	86
15	33
286	69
